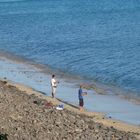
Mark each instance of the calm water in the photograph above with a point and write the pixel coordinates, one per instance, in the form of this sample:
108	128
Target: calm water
96	39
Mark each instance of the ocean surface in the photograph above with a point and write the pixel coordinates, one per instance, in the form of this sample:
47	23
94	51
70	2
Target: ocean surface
98	40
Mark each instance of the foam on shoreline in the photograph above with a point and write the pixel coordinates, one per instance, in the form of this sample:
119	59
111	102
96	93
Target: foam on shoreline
27	74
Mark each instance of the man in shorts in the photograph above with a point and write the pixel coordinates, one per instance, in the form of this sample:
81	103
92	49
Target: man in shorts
80	96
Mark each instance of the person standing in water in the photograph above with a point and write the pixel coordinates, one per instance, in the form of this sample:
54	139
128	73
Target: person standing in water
80	96
54	84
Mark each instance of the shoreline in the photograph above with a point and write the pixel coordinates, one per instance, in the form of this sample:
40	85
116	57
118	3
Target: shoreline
96	117
98	87
110	105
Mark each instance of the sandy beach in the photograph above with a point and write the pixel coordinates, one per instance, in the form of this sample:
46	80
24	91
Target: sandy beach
27	114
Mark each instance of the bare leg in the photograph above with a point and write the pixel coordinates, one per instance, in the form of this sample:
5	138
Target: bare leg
81	109
52	95
81	104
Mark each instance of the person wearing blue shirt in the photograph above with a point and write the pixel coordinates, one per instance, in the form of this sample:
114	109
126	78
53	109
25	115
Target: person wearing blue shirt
80	96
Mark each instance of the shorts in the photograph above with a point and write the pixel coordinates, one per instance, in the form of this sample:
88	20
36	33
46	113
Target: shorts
81	102
54	89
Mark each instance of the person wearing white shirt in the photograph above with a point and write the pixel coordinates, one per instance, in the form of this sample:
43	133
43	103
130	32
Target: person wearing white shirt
54	83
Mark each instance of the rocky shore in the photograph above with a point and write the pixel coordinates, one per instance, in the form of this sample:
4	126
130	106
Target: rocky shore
27	117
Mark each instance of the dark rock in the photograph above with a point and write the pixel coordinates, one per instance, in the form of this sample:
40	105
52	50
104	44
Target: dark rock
3	136
4	82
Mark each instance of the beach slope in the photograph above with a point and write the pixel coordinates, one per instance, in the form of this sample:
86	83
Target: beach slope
27	114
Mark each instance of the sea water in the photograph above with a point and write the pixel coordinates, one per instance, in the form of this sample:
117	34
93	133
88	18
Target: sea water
98	40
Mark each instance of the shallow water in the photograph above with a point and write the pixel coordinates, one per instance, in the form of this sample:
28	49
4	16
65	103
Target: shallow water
97	40
67	91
